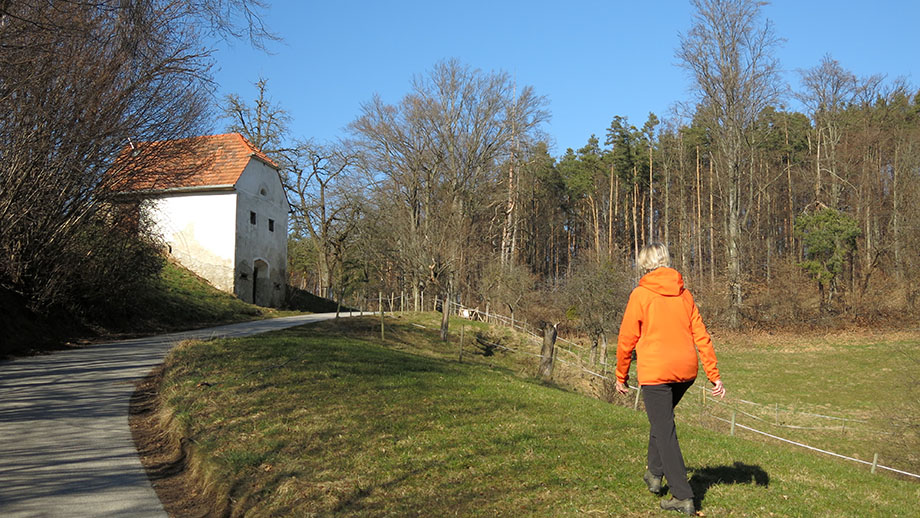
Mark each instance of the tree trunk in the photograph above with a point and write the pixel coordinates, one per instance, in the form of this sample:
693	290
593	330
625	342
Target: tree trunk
595	215
610	214
712	226
667	203
790	229
507	227
445	316
604	352
380	307
734	235
651	209
818	169
645	240
570	240
547	352
896	217
635	223
338	306
699	217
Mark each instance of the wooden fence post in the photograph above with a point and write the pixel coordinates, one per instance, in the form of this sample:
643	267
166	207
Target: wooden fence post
702	402
462	327
548	351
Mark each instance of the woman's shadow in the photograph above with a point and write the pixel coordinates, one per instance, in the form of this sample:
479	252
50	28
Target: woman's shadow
739	473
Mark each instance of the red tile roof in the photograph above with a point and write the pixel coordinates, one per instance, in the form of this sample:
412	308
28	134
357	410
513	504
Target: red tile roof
208	161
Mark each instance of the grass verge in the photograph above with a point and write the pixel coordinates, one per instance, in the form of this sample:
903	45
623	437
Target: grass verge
330	420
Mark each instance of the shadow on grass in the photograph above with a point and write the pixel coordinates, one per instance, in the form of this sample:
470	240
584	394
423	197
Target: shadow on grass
738	473
355	501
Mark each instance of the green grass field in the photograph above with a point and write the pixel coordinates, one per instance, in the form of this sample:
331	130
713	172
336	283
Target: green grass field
328	420
856	395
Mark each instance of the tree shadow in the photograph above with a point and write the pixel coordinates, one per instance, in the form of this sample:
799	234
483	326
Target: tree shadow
738	473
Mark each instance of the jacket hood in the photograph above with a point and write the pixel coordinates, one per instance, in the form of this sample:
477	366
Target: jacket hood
664	281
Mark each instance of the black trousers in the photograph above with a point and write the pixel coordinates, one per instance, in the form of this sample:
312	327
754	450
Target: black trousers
664	457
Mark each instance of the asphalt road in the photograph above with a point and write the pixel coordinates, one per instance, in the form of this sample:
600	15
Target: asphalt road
65	444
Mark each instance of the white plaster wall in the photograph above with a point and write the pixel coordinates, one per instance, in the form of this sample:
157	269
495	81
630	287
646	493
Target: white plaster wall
199	229
259	190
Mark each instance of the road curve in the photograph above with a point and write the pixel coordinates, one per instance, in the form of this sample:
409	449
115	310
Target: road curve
65	444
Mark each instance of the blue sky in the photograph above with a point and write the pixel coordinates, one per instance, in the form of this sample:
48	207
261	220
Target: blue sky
591	59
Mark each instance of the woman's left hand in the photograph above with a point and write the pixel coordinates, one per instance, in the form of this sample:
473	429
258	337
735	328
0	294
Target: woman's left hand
622	388
718	390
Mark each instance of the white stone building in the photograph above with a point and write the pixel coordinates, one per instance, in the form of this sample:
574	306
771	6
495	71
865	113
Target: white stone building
219	205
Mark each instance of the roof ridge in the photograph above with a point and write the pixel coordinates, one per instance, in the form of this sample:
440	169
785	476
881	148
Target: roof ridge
258	153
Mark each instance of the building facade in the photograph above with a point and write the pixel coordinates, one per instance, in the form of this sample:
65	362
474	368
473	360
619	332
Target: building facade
219	206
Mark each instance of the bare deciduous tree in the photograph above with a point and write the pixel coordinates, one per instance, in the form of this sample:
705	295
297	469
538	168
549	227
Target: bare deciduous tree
439	149
79	83
596	294
327	204
828	90
264	124
728	52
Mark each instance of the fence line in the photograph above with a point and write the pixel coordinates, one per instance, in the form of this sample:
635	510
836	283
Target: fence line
606	365
508	321
873	464
738	425
806	413
782	425
514	324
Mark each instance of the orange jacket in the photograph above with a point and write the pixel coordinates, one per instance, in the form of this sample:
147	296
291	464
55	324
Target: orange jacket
663	324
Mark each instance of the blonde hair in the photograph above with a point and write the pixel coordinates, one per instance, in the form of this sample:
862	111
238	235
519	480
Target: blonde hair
654	255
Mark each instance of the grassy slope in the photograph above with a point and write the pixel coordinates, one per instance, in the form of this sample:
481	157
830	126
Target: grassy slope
178	300
183	300
328	420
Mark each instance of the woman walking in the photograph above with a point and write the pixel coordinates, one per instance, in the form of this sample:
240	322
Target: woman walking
662	325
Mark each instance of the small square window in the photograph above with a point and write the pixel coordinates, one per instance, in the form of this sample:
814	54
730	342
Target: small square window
252	218
271	225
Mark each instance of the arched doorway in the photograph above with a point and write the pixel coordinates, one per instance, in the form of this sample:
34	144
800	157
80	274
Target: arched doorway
260	282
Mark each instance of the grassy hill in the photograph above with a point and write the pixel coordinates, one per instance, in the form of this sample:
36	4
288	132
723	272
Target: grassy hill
177	300
330	420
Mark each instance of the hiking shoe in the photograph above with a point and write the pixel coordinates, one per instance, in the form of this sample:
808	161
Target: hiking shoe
653	482
681	506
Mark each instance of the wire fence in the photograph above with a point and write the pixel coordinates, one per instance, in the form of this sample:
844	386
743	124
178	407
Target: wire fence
577	361
735	424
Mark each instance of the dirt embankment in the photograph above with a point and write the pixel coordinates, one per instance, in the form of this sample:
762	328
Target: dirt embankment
165	458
